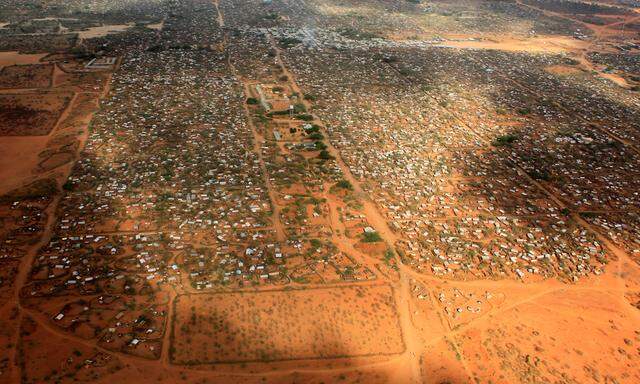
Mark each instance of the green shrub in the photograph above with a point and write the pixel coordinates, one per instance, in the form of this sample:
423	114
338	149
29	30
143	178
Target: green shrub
314	128
524	111
304	117
325	155
371	237
287	42
271	16
504	140
344	184
540	175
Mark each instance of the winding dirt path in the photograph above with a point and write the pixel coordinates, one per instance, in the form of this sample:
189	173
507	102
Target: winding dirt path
61	174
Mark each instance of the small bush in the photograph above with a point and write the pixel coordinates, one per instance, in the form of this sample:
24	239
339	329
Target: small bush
540	175
570	61
524	111
371	237
504	140
288	42
304	117
325	155
344	184
271	16
313	128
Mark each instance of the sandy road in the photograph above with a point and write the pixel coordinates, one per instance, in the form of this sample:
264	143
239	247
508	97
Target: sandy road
258	140
413	341
164	361
26	262
61	174
21	279
416	345
620	254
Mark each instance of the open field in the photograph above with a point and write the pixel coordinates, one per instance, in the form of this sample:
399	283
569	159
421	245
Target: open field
31	114
526	343
13	58
26	76
286	325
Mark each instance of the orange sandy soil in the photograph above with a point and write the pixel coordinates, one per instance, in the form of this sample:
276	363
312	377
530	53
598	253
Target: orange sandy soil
537	44
16	58
31	151
18	158
577	335
48	153
505	331
604	40
286	325
562	70
23	158
31	114
619	80
530	333
544	45
26	76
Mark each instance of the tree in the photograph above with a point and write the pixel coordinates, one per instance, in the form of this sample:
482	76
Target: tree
344	184
325	155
